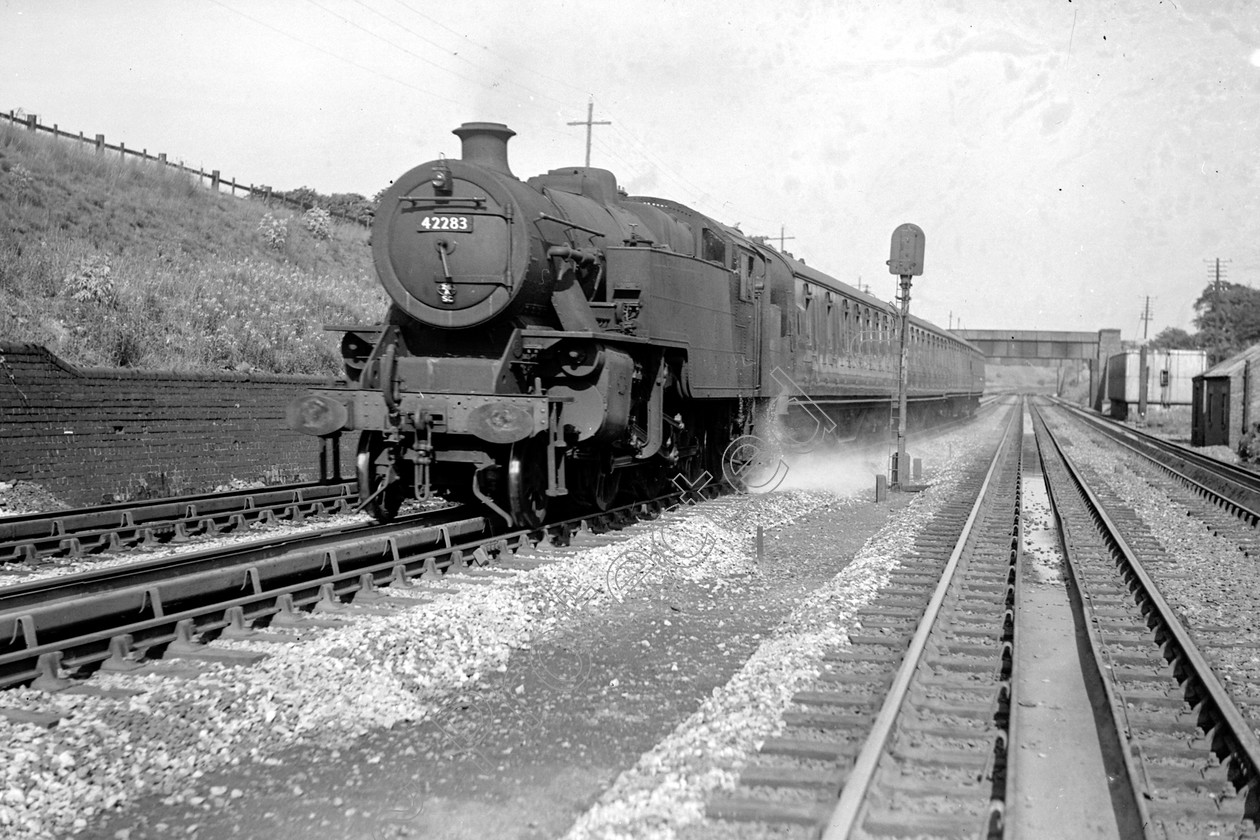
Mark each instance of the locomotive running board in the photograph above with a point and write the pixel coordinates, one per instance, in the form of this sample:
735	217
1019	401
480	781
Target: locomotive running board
539	339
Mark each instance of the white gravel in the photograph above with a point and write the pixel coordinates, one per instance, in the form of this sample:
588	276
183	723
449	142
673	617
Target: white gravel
667	789
404	666
108	751
1205	576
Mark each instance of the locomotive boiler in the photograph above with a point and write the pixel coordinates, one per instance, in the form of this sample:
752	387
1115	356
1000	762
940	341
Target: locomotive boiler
557	340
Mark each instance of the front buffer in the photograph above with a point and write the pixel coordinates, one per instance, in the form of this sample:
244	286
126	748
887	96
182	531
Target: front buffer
499	449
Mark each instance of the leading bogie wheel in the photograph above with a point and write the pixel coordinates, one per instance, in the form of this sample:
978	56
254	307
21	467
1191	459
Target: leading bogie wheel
527	482
382	478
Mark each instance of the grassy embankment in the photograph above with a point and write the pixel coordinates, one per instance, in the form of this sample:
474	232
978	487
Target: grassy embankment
124	263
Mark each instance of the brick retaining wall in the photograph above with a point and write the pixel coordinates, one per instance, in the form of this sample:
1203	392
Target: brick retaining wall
100	434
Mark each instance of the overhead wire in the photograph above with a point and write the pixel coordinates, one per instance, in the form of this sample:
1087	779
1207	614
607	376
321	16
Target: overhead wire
491	88
458	34
457	56
695	193
332	54
694	189
399	47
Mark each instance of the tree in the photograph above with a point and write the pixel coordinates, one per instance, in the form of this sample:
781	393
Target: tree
348	206
305	197
1228	318
1174	338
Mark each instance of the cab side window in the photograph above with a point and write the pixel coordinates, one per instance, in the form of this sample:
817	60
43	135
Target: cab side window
746	265
713	248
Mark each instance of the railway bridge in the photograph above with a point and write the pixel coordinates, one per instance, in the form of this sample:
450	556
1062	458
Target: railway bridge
1043	347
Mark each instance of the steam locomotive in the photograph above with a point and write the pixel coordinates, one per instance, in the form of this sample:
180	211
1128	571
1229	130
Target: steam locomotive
557	340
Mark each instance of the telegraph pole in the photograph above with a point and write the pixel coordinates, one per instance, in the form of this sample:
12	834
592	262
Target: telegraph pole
1217	272
782	238
1146	317
589	122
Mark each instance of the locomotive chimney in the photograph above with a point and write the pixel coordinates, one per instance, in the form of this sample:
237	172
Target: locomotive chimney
485	144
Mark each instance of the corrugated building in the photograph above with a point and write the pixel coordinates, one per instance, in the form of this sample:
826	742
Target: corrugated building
1169	379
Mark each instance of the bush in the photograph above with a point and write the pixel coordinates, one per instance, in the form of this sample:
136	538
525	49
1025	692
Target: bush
317	222
90	282
275	232
1249	446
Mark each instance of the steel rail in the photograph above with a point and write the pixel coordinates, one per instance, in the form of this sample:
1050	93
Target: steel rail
110	615
1232	736
44	591
65	532
1243	482
7	523
1130	772
1243	475
89	648
1015	714
82	616
853	795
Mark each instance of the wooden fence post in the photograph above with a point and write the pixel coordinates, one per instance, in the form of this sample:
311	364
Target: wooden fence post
31	121
122	150
214	180
162	158
100	143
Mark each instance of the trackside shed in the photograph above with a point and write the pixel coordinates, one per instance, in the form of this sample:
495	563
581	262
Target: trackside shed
1226	401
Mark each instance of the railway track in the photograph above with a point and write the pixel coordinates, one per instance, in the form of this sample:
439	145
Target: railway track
943	725
75	623
927	724
932	721
110	618
27	538
1230	487
1191	754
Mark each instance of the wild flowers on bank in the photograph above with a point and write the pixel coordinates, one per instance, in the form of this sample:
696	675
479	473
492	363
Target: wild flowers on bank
121	263
240	314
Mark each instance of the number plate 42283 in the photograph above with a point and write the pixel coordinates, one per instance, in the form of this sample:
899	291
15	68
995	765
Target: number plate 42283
447	224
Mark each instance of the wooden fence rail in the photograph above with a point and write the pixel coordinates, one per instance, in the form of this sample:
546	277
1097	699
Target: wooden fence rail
217	182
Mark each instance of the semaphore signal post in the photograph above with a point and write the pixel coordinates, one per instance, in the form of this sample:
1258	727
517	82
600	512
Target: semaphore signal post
906	261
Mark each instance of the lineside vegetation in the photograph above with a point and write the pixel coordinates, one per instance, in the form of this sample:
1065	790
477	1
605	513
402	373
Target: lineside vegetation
125	263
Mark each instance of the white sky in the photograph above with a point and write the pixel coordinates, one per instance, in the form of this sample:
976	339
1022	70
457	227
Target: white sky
1065	159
